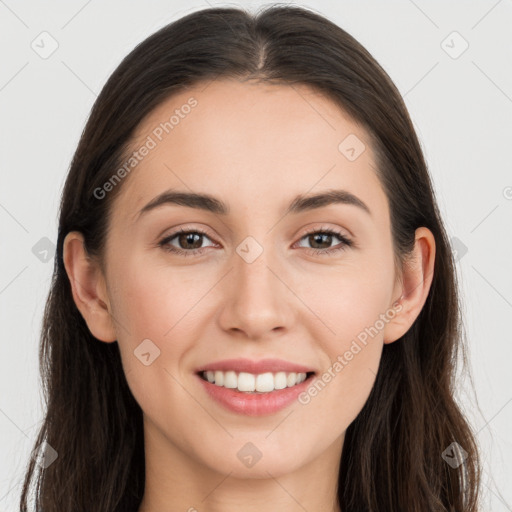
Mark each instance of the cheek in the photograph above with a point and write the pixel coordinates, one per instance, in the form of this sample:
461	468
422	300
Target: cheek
347	301
352	359
145	307
154	304
350	306
154	300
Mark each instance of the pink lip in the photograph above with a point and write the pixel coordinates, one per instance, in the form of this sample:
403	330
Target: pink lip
254	404
255	367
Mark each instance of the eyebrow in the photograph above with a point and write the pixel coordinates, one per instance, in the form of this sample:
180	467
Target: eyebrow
209	203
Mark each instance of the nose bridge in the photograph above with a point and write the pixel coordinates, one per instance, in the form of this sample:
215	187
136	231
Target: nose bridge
258	301
254	279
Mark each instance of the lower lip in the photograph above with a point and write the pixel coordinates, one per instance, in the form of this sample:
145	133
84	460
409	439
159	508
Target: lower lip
257	404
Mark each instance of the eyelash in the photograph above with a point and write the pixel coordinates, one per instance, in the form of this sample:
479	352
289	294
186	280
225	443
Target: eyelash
345	242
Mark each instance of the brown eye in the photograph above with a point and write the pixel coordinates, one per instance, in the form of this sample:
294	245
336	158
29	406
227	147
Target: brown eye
194	239
188	242
321	240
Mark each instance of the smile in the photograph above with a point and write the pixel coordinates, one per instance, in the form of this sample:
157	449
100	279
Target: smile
245	397
250	383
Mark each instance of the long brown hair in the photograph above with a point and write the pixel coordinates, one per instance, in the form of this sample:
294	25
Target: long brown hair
392	455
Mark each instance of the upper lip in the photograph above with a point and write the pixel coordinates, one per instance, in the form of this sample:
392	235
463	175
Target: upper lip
255	367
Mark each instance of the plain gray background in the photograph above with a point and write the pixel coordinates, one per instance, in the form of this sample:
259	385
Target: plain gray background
460	101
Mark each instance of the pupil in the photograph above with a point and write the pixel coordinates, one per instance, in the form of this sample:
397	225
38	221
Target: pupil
189	238
322	236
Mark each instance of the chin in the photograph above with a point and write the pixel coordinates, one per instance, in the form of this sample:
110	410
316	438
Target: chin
248	461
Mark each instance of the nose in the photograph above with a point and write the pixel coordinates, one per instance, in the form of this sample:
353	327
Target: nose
256	300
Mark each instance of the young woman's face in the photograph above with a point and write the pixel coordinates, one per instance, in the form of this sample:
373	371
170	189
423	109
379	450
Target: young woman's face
255	281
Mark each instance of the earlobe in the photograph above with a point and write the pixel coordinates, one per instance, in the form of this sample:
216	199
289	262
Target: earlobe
88	288
417	278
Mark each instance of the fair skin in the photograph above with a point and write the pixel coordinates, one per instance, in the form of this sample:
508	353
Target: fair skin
255	147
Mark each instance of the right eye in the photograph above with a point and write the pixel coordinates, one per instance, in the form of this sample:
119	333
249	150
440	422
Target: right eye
184	237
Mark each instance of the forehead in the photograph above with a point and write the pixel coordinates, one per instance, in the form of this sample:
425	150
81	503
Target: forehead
250	141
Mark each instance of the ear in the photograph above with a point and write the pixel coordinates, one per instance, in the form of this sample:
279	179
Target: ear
417	276
88	287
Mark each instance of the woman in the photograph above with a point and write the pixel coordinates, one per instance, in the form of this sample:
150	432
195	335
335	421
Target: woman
299	353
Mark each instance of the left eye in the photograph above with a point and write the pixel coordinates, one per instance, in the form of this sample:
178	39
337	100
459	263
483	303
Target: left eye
325	236
190	242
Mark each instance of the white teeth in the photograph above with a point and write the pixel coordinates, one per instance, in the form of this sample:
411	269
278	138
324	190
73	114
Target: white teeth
291	379
247	382
219	378
230	380
280	380
265	382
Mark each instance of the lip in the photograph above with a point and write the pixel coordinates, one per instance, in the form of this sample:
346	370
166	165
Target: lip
255	367
254	404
